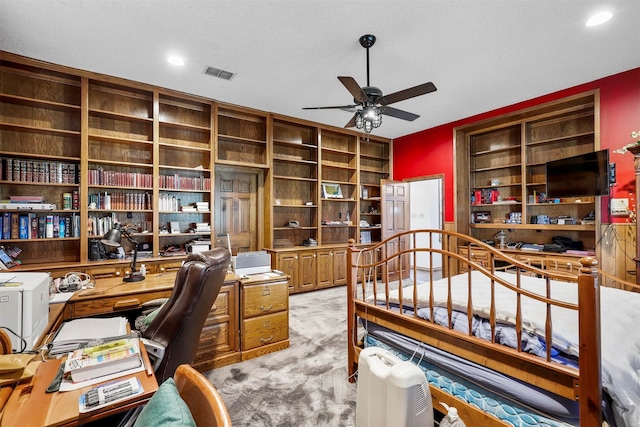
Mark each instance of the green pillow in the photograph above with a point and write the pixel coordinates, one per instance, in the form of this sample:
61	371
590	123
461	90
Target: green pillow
166	408
149	317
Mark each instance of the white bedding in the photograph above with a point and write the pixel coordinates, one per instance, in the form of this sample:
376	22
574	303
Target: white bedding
620	320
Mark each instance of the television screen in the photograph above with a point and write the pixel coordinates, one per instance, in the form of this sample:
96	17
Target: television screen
579	176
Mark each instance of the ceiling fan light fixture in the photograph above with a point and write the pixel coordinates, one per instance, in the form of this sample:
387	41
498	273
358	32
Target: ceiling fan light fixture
377	120
368	126
359	120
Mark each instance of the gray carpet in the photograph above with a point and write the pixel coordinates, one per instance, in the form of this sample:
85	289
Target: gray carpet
304	385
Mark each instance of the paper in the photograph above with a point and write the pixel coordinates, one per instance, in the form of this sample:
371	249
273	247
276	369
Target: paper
91	328
60	297
79	332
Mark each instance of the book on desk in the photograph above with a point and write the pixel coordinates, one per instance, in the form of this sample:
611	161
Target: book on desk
104	359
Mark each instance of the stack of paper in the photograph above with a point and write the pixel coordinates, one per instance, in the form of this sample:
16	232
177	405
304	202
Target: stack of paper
79	333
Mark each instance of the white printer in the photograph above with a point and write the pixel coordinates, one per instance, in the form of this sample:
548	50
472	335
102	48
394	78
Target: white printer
251	263
24	306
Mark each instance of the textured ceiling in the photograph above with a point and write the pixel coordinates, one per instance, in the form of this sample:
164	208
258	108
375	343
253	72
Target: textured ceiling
287	54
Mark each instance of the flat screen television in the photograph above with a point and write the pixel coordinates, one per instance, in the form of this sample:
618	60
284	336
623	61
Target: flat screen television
579	176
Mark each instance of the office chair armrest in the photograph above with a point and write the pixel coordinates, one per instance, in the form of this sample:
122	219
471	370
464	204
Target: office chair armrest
155	351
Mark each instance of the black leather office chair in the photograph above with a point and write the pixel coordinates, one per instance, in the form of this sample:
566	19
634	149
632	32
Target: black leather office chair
173	336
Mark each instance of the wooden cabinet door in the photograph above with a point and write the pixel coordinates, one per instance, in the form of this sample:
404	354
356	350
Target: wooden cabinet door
339	266
288	264
308	269
325	269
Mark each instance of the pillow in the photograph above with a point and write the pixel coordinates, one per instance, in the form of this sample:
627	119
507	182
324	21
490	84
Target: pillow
143	321
166	408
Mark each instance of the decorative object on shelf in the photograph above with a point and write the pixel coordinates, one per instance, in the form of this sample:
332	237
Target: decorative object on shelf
365	193
501	238
175	227
331	191
293	224
480	217
113	238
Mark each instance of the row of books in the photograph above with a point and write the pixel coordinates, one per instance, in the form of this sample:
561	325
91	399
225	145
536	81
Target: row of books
123	179
98	226
16	225
20	170
178	182
118	200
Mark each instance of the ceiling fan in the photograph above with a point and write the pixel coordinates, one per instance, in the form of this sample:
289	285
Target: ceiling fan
370	103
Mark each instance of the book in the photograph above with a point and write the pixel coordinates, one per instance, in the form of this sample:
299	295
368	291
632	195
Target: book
48	230
6	225
23	226
107	358
15	225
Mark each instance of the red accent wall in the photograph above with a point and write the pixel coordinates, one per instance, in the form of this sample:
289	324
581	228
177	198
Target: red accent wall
430	152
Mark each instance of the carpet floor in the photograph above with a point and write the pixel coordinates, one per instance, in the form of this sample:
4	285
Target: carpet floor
303	385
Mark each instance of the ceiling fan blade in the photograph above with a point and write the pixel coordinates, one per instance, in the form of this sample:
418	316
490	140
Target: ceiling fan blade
341	107
399	114
407	93
354	88
351	123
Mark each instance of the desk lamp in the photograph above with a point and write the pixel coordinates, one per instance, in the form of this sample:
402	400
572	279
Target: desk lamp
112	239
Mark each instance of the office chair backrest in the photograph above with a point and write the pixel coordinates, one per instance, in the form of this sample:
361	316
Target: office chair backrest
202	398
179	323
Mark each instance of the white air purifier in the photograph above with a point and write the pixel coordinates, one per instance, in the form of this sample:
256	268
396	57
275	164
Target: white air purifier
391	392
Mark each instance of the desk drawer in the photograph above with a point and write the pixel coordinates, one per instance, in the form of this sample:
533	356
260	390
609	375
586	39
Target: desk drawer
95	307
262	299
265	330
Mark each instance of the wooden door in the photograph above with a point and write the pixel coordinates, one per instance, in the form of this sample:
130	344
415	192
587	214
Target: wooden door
236	209
395	219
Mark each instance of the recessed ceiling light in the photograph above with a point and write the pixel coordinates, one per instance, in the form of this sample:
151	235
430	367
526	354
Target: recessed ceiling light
175	60
599	18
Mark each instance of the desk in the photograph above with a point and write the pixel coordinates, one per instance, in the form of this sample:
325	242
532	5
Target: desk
30	405
235	328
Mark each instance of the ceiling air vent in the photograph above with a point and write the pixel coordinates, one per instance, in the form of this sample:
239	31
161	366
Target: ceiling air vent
217	72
